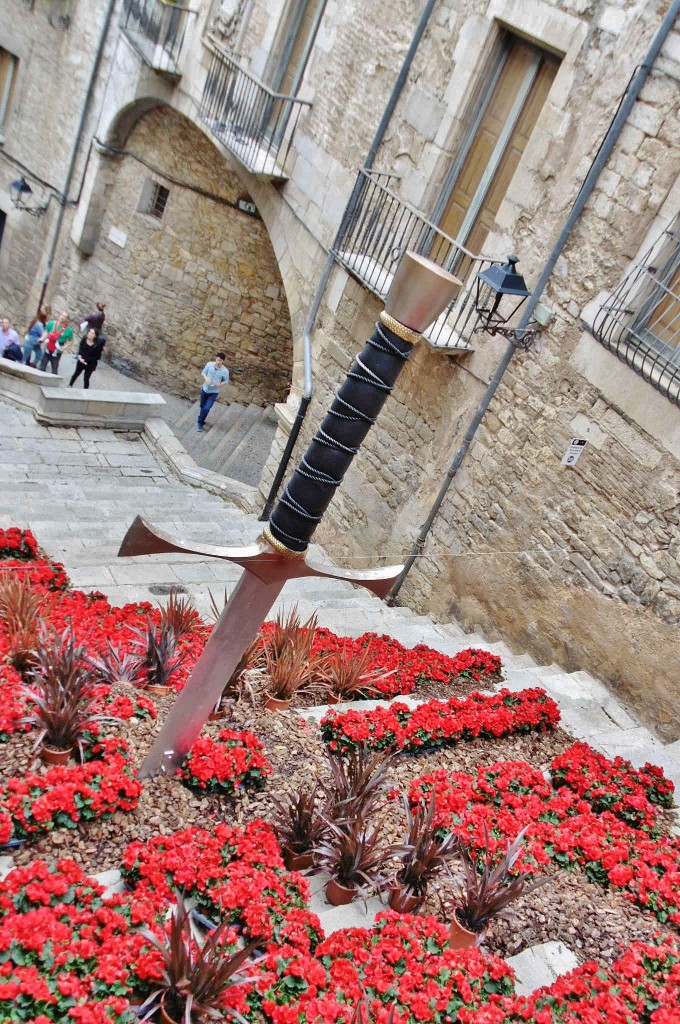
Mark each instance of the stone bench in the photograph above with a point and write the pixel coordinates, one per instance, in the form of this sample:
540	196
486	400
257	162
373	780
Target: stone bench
51	402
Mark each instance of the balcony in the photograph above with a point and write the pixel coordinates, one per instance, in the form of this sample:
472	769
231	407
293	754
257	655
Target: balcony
640	321
255	124
156	30
376	233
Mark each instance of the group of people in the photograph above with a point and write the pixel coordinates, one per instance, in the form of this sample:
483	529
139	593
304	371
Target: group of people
48	337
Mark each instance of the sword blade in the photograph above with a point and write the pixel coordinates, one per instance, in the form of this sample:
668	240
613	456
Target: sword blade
237	626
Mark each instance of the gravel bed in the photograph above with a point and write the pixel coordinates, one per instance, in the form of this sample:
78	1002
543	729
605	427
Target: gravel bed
592	922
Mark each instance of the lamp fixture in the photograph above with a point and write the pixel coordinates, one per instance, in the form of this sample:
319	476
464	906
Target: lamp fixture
20	193
497	282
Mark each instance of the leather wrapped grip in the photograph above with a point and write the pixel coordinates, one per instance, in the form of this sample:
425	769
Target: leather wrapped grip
356	405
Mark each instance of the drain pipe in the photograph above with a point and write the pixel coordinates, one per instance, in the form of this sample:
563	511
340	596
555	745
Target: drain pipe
74	152
307	383
608	143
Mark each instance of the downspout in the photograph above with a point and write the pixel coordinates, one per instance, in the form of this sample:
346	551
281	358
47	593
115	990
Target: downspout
608	143
307	382
74	152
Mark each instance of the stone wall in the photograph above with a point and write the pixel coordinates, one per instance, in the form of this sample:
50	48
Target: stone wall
200	280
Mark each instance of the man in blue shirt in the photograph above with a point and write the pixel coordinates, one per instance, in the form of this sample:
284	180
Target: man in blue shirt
215	376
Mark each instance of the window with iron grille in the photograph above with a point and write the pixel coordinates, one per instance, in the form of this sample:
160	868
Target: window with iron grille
154	199
640	321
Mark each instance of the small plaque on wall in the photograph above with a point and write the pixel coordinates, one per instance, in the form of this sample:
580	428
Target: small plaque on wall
118	237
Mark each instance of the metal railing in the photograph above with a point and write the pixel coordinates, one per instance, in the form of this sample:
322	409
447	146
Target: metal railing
255	123
380	228
640	321
156	29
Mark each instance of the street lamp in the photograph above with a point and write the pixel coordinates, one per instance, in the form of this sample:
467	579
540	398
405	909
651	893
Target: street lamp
498	282
20	193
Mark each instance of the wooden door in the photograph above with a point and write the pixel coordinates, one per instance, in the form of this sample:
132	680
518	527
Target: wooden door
496	149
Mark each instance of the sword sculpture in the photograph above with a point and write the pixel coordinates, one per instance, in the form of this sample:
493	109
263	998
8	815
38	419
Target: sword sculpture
420	291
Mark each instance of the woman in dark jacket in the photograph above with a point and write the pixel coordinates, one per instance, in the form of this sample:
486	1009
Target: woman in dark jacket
87	358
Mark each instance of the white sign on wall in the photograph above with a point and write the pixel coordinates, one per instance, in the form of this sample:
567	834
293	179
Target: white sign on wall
118	237
574	451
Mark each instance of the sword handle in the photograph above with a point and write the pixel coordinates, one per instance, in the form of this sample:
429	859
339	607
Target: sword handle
359	400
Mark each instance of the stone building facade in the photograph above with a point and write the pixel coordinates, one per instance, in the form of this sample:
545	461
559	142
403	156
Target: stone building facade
578	565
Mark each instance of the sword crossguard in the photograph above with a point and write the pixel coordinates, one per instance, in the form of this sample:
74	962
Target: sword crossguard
262	559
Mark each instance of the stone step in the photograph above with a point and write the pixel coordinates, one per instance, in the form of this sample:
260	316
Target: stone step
245	463
220	448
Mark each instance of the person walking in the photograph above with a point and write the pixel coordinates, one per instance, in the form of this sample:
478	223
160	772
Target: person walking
87	358
33	340
215	376
8	335
95	319
58	335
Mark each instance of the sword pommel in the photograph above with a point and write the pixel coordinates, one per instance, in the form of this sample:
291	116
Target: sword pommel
420	291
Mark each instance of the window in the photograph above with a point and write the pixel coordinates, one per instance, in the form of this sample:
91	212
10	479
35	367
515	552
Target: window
509	105
154	199
293	45
8	71
640	321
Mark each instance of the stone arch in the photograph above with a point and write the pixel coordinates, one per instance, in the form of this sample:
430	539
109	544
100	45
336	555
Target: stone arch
201	278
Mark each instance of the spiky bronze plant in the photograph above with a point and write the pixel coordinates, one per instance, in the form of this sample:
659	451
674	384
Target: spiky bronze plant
195	976
157	648
21	609
289	658
357	781
354	854
298	821
489	886
350	674
116	665
62	693
179	615
422	853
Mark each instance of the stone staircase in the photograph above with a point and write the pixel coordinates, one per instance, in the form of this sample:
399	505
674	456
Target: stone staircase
235	441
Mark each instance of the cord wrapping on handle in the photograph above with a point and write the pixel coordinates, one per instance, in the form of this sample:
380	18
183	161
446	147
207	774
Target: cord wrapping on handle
308	493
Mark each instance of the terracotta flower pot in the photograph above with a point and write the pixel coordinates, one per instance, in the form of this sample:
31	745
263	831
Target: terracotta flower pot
158	691
297	861
163	1014
332	698
459	937
53	756
274	704
403	900
217	716
339	895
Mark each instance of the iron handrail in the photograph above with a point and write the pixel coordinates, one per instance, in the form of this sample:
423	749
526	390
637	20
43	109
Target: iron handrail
381	227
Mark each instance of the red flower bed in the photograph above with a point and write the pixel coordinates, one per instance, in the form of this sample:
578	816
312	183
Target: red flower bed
235	874
16	543
642	987
631	794
33	803
12	704
124	706
563	828
223	765
439	723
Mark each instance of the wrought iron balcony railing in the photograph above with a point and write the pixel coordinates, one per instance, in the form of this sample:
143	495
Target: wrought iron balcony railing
640	321
380	228
256	124
156	29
